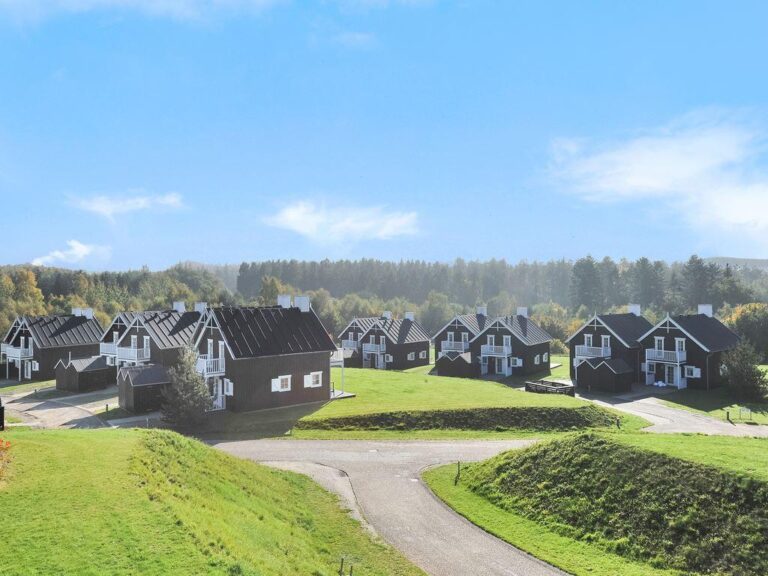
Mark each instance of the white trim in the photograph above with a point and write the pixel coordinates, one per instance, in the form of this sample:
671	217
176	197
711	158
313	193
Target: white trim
597	319
308	380
277	383
411	356
671	321
458	319
422	355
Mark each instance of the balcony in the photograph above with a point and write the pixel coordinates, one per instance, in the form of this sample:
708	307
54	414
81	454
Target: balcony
107	349
17	352
671	356
350	344
127	354
489	350
453	346
593	352
210	366
374	348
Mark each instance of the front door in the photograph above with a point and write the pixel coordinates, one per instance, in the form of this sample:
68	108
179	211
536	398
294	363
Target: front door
28	370
499	365
670	375
216	388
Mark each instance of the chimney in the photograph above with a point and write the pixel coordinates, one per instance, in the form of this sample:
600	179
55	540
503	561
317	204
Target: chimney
409	316
284	300
482	310
634	309
387	315
706	309
522	311
77	311
302	303
180	307
88	313
201	307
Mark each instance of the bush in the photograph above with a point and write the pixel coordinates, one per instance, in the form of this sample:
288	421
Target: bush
557	347
746	379
186	399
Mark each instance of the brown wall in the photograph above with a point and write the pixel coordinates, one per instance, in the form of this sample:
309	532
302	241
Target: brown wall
633	356
709	363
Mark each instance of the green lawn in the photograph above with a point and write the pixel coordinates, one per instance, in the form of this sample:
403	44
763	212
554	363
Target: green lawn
156	503
11	387
571	555
11	418
717	403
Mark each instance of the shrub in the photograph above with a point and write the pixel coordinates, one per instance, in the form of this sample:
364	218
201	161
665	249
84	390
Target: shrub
558	347
746	379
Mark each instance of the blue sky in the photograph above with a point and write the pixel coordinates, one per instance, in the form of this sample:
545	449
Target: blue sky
138	132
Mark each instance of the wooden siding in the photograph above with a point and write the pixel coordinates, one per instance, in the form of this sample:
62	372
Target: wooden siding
519	350
399	352
141	398
633	356
602	379
67	378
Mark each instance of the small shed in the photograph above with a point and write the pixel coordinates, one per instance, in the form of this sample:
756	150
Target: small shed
84	374
456	364
140	388
605	375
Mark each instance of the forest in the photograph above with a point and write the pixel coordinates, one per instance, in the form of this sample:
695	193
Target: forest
560	294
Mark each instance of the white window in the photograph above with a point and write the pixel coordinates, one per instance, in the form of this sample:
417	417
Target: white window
382	341
588	340
450	336
465	337
491	340
110	360
35	366
229	388
222	349
388	357
313	380
351	336
680	344
411	355
115	337
605	341
546	356
210	348
484	359
146	343
658	342
692	372
134	341
281	384
373	339
423	354
651	368
508	341
537	359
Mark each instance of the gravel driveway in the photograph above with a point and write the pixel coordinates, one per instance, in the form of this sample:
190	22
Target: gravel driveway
380	481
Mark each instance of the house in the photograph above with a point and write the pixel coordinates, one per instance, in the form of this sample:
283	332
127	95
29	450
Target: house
395	343
83	374
453	357
140	387
35	344
264	357
608	337
155	337
351	340
686	351
511	345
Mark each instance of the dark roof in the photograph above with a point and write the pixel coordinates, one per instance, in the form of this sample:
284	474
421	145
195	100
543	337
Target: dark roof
87	364
146	375
271	331
475	322
364	323
615	365
709	331
402	330
168	328
628	327
526	330
64	330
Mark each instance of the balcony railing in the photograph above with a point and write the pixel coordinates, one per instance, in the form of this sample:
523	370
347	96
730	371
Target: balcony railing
374	348
3	346
210	366
350	344
132	354
17	352
674	356
488	350
593	351
107	349
453	346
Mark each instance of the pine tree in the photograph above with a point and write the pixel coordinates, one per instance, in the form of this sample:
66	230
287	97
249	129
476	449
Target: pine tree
187	398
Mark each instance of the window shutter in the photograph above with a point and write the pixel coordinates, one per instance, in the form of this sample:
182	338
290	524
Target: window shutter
697	372
308	381
643	367
275	384
35	366
228	388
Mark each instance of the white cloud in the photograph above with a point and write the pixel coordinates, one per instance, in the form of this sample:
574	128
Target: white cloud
76	252
355	39
708	167
110	206
333	225
175	9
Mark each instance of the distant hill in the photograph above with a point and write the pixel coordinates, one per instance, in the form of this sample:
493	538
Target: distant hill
755	263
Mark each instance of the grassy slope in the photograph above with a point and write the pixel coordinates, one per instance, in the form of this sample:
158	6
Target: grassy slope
708	516
11	387
155	503
715	403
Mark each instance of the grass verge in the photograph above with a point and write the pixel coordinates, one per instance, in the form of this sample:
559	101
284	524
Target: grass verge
717	403
10	388
156	503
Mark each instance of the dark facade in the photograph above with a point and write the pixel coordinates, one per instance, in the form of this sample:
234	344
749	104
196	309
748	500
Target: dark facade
599	375
511	346
608	336
454	338
83	375
349	340
395	345
456	365
140	388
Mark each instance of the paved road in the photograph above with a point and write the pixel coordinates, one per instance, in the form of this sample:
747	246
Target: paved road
668	420
382	481
75	411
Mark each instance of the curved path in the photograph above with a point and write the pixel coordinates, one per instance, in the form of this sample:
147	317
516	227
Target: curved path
381	481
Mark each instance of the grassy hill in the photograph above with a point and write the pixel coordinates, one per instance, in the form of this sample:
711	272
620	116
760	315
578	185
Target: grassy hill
410	401
622	506
155	503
